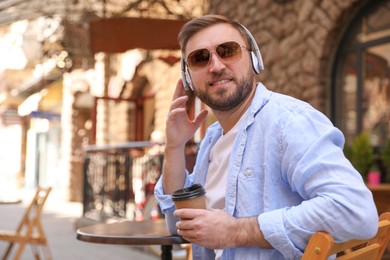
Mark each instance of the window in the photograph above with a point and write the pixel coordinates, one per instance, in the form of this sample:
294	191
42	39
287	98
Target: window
361	85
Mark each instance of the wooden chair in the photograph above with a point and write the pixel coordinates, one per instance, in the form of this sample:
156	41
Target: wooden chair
321	245
29	230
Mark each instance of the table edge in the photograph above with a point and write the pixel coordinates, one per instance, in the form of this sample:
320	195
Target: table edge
136	240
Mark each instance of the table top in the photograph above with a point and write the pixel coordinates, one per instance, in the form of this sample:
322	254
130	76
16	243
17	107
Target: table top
9	201
148	232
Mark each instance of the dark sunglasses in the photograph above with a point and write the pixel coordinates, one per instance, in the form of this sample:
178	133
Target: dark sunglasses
228	52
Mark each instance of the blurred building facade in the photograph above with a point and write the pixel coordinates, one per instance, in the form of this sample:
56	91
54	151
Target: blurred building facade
64	95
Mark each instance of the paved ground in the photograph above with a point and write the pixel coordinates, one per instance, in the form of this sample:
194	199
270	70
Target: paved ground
59	218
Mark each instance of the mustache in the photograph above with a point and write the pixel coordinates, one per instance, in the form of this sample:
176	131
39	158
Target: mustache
216	76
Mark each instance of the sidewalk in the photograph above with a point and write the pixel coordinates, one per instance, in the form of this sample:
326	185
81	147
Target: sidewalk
58	220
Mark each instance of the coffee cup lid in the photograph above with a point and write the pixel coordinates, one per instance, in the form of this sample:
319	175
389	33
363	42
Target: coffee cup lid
191	192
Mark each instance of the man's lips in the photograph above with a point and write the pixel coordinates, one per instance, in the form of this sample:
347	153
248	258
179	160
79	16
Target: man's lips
220	82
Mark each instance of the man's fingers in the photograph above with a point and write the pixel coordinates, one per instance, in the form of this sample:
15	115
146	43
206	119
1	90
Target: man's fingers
200	118
176	112
186	234
180	102
179	90
187	213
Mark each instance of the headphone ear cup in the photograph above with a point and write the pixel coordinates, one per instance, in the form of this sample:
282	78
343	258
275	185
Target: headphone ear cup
255	63
188	80
257	60
184	80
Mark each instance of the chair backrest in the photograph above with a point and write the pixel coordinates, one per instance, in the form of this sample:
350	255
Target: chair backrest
321	245
32	216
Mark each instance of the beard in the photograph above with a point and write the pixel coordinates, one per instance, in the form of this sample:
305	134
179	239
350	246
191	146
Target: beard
226	99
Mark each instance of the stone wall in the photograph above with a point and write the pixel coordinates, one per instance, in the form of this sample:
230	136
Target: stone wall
298	40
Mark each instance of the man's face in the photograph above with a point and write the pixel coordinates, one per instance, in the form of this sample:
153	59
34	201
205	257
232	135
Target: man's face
221	84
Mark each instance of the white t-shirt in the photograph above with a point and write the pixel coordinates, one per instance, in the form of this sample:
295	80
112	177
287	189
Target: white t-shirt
215	184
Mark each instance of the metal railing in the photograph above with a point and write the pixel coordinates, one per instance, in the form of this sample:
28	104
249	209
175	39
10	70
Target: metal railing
119	179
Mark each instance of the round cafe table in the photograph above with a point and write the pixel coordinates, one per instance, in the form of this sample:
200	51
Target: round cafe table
148	232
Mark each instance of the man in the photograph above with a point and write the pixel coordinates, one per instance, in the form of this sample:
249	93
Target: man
272	166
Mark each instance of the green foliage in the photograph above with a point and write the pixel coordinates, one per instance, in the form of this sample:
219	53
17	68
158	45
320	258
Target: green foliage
385	158
362	154
348	152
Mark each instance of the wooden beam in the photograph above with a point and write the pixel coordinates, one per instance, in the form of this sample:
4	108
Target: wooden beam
120	34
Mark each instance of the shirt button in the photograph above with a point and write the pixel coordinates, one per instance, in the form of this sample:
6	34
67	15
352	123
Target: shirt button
248	172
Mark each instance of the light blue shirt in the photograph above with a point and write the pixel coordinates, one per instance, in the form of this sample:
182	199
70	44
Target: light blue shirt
287	167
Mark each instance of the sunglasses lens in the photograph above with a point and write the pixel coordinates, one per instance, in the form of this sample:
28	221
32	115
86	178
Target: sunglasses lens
227	52
198	59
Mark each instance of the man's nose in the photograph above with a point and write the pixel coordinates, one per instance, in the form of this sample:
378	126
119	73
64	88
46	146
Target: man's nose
216	64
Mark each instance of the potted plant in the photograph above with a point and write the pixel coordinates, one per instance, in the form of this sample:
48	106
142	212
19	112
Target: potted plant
362	154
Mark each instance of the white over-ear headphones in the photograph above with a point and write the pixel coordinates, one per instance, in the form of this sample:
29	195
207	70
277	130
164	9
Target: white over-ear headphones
257	62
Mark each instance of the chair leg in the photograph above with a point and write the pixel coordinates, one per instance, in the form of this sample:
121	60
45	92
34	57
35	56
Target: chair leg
41	251
20	250
189	252
46	252
9	249
35	250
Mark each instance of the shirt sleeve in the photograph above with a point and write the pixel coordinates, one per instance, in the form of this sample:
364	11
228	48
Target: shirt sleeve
335	197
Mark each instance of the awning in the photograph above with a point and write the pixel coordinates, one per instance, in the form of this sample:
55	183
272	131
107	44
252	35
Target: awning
123	33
